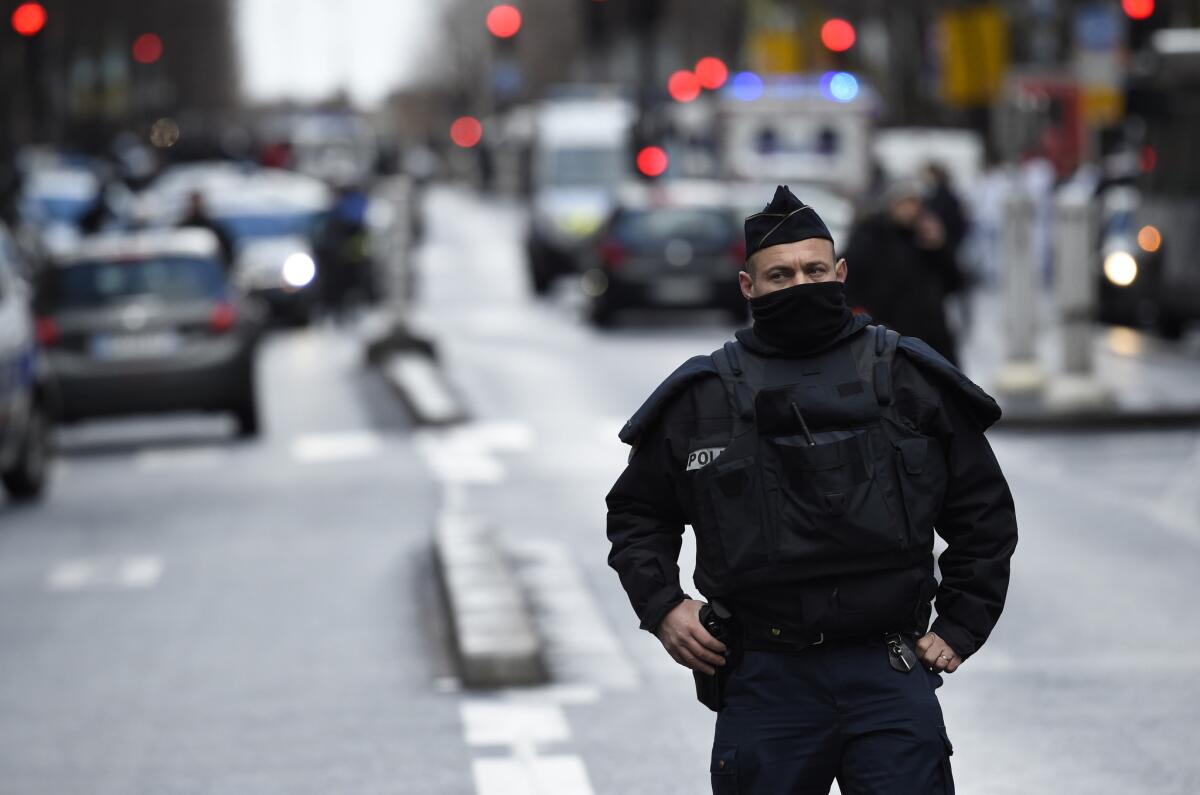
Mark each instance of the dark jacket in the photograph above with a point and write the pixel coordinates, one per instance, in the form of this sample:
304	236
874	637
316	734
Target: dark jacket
900	284
648	508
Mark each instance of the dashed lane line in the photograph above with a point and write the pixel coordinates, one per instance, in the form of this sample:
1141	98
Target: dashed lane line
202	459
520	727
135	572
322	448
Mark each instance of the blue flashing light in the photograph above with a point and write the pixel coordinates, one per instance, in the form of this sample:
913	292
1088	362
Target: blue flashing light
746	86
839	86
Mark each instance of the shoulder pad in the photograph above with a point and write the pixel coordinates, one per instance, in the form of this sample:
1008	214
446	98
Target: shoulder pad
979	405
678	381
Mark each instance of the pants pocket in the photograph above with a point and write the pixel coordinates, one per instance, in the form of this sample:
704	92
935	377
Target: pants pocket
947	773
724	769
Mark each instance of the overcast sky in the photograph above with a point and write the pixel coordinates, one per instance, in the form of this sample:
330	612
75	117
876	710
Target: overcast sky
307	49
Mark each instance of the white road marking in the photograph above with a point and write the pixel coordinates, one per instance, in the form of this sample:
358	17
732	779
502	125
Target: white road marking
465	455
105	573
332	447
183	460
140	572
71	575
545	775
424	385
521	726
489	722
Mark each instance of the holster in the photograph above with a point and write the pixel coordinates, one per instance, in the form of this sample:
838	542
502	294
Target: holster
710	688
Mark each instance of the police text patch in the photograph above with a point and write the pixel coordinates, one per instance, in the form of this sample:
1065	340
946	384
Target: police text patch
698	459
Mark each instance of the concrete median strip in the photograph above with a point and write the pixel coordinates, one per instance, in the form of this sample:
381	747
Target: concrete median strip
492	628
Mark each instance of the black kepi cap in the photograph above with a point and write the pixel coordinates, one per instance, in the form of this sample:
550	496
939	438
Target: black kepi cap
785	220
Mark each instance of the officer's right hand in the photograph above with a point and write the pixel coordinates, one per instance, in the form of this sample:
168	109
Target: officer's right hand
687	641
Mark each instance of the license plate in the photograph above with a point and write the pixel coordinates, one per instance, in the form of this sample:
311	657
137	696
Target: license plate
135	346
681	290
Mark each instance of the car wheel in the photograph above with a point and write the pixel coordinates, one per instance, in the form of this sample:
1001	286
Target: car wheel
246	415
26	480
539	270
601	314
1169	326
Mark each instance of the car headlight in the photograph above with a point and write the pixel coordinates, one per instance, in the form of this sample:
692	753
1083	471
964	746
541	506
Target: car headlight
299	270
1120	268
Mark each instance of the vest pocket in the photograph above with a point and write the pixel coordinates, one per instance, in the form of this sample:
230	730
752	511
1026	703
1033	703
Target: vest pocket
920	471
731	489
830	505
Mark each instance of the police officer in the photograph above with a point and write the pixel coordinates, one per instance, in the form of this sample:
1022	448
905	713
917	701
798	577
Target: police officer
813	456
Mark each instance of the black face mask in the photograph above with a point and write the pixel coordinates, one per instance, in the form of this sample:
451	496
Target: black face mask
801	318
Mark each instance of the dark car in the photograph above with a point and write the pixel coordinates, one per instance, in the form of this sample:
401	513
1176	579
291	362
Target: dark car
25	405
674	255
148	322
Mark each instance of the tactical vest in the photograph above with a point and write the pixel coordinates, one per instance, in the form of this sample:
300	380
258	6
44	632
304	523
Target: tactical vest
821	474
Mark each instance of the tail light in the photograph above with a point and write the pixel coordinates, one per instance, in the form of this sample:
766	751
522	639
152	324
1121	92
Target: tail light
737	250
47	331
612	254
222	318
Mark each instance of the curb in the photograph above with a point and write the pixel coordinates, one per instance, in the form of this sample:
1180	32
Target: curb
491	626
1033	415
408	363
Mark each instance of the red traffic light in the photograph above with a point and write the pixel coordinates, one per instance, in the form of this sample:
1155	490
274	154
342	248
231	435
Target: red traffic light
683	86
147	48
712	73
466	131
838	35
1138	9
29	18
504	21
652	161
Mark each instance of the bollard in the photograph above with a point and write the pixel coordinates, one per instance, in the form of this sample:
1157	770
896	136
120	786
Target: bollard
1075	292
1021	375
1074	276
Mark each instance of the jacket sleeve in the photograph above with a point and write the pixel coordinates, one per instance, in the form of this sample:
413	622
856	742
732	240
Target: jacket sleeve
645	527
978	522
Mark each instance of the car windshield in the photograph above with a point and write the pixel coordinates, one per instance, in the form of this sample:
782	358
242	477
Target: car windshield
66	210
93	285
569	168
701	228
254	227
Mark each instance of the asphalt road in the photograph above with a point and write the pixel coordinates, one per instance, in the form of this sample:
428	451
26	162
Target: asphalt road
187	613
190	614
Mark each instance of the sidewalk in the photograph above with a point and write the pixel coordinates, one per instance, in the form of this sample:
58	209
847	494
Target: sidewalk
1151	382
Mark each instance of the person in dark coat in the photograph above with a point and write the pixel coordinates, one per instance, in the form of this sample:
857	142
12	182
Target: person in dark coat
814	456
198	216
944	203
903	268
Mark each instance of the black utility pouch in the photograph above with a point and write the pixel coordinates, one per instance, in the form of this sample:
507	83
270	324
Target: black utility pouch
710	689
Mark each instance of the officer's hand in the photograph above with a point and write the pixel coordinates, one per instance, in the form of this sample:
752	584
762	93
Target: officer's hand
937	655
687	641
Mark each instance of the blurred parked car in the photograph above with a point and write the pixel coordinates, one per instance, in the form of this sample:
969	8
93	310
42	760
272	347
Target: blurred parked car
25	406
666	247
148	322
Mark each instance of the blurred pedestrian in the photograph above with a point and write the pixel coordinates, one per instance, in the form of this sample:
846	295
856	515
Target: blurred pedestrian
813	458
198	216
942	200
343	249
903	268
